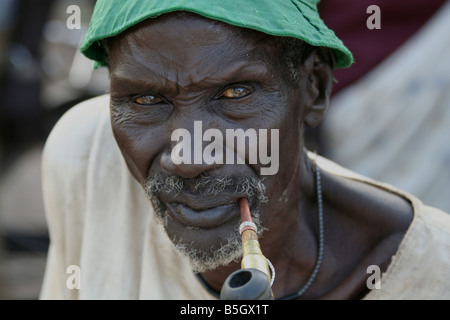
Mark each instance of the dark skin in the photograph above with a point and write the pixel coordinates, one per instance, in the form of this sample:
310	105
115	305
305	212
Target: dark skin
168	72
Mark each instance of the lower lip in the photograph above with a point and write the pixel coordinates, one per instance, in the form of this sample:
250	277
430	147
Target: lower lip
209	218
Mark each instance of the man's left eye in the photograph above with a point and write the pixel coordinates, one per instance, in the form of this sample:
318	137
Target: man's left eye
235	93
148	100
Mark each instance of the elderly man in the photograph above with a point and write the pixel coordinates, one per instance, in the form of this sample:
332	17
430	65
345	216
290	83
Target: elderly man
142	186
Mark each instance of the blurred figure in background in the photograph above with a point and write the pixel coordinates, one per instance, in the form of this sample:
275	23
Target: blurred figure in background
401	75
21	24
42	74
20	74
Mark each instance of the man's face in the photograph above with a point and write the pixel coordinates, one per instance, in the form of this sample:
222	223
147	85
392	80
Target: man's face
176	71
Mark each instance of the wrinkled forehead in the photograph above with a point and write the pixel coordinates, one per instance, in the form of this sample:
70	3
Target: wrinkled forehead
188	42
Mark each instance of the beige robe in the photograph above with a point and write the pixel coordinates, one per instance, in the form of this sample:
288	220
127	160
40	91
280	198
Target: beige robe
101	222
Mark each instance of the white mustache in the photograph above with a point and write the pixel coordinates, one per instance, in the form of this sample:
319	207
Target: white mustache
205	185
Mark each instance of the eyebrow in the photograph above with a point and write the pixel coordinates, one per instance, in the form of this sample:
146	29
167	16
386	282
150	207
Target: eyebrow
125	83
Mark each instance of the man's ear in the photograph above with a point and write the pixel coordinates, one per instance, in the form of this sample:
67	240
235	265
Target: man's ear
318	69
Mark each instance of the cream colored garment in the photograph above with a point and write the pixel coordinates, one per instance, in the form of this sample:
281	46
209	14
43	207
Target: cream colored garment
100	220
394	124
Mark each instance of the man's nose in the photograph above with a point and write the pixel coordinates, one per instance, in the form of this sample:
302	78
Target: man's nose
185	170
189	155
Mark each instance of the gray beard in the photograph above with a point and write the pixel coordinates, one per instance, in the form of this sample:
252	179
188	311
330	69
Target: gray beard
229	250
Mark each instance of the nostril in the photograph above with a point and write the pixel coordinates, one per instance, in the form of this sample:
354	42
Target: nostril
167	163
184	169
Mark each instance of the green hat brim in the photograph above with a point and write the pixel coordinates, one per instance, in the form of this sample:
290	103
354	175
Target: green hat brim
284	18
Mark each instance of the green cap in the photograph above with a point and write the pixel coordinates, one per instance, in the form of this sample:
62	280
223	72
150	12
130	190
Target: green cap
286	18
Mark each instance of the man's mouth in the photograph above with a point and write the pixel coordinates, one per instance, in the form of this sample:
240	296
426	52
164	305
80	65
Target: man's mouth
205	218
204	202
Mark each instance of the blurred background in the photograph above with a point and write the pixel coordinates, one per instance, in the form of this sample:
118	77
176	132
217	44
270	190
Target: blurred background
42	74
389	117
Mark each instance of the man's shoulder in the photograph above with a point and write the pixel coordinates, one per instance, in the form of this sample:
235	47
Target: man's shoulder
72	137
80	120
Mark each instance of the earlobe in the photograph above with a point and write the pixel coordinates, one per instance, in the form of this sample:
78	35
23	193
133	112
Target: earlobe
318	68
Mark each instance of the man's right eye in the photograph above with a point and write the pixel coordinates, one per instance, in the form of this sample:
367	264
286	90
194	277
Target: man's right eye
148	100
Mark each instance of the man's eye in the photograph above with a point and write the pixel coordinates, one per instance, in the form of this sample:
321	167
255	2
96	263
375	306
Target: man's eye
148	100
235	93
